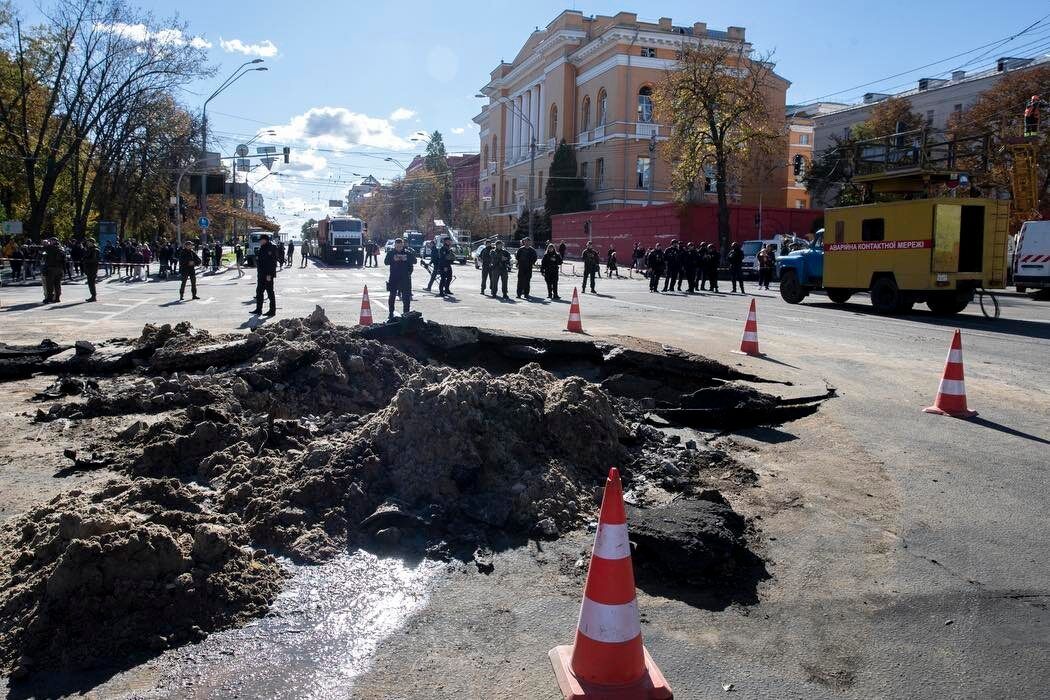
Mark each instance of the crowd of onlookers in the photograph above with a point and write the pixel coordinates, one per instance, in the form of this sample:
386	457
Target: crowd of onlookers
126	258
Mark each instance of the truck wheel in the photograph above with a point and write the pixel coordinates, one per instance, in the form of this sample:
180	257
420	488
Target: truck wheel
949	303
790	289
839	296
886	296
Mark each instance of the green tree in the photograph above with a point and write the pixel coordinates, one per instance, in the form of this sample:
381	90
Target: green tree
565	191
435	159
717	103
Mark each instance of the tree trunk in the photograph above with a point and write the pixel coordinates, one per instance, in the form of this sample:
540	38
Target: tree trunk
724	234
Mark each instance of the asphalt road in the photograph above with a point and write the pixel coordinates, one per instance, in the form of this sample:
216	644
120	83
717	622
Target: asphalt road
909	551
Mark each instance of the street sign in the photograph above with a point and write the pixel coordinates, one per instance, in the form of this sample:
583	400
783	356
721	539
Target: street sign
335	202
242	150
268	162
265	150
203	222
244	165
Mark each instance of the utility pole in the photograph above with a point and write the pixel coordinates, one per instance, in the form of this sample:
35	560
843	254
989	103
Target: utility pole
532	179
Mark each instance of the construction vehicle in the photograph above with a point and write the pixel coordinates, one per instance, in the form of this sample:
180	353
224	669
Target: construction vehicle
931	245
340	240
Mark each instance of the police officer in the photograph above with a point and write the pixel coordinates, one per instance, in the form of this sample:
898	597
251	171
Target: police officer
499	267
188	262
690	261
550	268
435	253
291	253
655	261
526	257
446	256
486	264
266	261
401	261
54	260
736	266
711	266
672	264
591	266
89	266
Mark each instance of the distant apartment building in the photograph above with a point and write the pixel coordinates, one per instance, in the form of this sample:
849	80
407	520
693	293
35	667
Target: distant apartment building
361	190
936	99
465	169
242	193
589	81
800	152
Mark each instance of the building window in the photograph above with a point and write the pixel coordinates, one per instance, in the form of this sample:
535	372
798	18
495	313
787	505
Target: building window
585	113
554	122
957	108
645	104
803	139
599	173
929	116
485	156
873	230
643	172
648	52
846	131
495	152
799	204
603	105
584	171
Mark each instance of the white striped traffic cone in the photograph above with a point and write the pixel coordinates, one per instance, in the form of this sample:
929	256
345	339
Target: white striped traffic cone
951	394
366	310
608	659
749	341
575	320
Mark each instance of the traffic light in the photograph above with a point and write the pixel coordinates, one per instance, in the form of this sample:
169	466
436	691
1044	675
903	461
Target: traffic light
797	165
287	152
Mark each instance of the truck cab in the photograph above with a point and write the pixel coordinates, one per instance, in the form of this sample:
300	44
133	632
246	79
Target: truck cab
802	271
1031	263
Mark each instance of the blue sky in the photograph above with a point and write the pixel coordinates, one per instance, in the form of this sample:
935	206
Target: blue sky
349	82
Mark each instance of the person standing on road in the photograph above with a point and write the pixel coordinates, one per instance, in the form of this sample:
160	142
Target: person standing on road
164	256
290	255
486	265
54	262
610	263
526	258
188	262
689	263
499	268
591	266
435	268
447	256
89	265
205	256
550	268
266	261
713	259
736	266
401	261
279	249
561	250
767	260
637	257
303	251
76	255
655	261
216	257
671	264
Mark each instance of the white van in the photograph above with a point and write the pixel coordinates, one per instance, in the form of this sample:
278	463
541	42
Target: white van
1032	256
254	241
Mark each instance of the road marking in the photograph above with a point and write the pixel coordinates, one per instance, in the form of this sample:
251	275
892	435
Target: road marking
209	300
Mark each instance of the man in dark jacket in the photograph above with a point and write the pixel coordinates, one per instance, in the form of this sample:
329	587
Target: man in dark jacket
89	265
561	250
690	260
446	256
591	266
435	254
401	261
550	268
526	258
485	256
736	266
499	268
54	263
671	263
290	254
216	258
266	262
655	261
711	267
188	262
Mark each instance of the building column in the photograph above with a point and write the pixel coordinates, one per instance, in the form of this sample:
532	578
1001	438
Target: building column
517	120
508	139
541	108
526	112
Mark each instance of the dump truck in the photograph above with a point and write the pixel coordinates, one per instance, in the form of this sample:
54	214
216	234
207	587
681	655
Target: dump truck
340	240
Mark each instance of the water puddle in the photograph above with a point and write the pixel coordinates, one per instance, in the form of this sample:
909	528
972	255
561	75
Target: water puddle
320	635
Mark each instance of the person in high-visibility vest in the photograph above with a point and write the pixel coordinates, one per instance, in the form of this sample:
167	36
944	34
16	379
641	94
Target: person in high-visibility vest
1031	116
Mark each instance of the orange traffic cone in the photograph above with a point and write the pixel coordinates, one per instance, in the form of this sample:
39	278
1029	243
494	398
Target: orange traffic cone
608	659
575	321
951	394
366	310
749	341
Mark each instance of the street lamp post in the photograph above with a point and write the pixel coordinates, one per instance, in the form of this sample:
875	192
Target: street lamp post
234	77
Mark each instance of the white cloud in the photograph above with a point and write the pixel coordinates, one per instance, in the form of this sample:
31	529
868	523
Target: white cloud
265	48
339	128
401	114
458	130
164	37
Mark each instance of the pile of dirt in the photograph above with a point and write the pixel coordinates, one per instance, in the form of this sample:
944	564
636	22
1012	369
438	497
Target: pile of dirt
305	438
137	565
